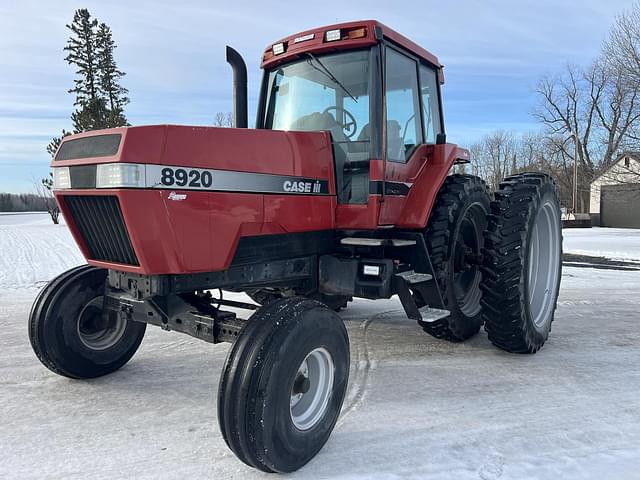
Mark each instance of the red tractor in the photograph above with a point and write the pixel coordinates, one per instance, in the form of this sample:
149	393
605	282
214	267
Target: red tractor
344	189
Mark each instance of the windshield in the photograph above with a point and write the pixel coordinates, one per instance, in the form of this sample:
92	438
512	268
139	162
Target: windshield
300	94
331	93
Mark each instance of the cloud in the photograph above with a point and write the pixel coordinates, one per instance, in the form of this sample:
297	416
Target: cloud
173	54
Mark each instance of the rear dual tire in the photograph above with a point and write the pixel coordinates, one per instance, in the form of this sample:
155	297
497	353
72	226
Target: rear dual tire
522	263
454	235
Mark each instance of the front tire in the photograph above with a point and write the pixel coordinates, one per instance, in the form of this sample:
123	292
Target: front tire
454	237
522	263
283	384
69	333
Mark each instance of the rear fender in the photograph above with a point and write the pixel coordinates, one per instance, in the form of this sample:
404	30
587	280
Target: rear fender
424	191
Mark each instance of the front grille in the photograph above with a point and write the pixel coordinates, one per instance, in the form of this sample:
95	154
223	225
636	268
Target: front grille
101	225
88	147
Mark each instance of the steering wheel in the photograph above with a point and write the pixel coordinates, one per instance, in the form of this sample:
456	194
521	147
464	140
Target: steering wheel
350	127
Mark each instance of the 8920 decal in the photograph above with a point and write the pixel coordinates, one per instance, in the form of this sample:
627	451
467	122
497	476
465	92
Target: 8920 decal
182	177
193	178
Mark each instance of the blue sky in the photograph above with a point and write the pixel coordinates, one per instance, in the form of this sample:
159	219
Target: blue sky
173	53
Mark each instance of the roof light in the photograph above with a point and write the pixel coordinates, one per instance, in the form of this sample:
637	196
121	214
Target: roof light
333	35
278	48
357	33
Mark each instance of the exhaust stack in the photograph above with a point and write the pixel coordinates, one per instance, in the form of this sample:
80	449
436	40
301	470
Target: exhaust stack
239	88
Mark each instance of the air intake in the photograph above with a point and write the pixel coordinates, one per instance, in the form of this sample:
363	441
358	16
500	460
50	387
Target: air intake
101	225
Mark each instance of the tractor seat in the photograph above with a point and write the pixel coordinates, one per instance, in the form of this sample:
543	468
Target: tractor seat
395	143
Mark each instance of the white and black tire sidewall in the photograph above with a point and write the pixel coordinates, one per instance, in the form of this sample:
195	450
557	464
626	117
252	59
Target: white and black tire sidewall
547	194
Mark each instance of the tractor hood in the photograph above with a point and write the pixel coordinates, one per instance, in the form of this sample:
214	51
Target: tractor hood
174	199
214	159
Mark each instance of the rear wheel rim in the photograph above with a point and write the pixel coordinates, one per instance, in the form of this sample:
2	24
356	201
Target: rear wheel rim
544	263
312	389
466	270
96	330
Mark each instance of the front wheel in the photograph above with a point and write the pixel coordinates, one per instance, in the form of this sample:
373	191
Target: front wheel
283	384
522	263
70	333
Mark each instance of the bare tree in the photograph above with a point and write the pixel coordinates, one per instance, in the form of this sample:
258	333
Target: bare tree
494	157
622	48
223	119
499	154
43	189
594	107
622	54
566	109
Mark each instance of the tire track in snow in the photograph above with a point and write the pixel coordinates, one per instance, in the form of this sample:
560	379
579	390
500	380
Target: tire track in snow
364	364
31	255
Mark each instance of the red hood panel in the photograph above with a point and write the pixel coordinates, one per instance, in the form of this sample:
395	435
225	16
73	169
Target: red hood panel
173	230
304	154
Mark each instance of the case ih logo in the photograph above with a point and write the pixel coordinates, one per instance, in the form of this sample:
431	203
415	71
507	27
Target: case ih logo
301	187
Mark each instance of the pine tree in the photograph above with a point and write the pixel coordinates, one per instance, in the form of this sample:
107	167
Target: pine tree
109	78
55	142
93	115
81	48
99	97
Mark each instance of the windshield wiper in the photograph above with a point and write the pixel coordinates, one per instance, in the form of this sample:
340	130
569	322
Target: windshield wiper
328	73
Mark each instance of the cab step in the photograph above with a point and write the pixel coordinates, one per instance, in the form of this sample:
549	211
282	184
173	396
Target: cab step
413	278
431	315
405	284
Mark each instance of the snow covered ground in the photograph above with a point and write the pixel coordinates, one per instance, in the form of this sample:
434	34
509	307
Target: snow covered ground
33	250
416	408
612	243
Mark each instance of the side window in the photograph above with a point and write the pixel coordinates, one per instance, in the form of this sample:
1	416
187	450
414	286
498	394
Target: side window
431	113
404	130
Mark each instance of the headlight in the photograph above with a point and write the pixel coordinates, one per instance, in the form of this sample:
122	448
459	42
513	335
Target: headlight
120	175
61	178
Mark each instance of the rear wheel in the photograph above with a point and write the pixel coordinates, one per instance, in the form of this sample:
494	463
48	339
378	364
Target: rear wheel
454	237
71	335
283	384
522	263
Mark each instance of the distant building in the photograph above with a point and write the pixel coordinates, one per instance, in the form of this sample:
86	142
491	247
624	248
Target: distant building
615	194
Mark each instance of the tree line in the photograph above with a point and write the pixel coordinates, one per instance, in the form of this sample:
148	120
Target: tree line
22	202
590	113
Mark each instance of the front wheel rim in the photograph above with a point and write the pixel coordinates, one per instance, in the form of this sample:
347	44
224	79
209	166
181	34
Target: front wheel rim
544	264
97	330
312	389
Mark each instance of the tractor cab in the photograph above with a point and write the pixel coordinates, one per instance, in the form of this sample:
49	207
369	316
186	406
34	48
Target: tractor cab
375	92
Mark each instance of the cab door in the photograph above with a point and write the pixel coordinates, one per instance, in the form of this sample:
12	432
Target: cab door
412	121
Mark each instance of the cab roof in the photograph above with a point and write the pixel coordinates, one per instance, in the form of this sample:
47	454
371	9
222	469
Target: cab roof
357	34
